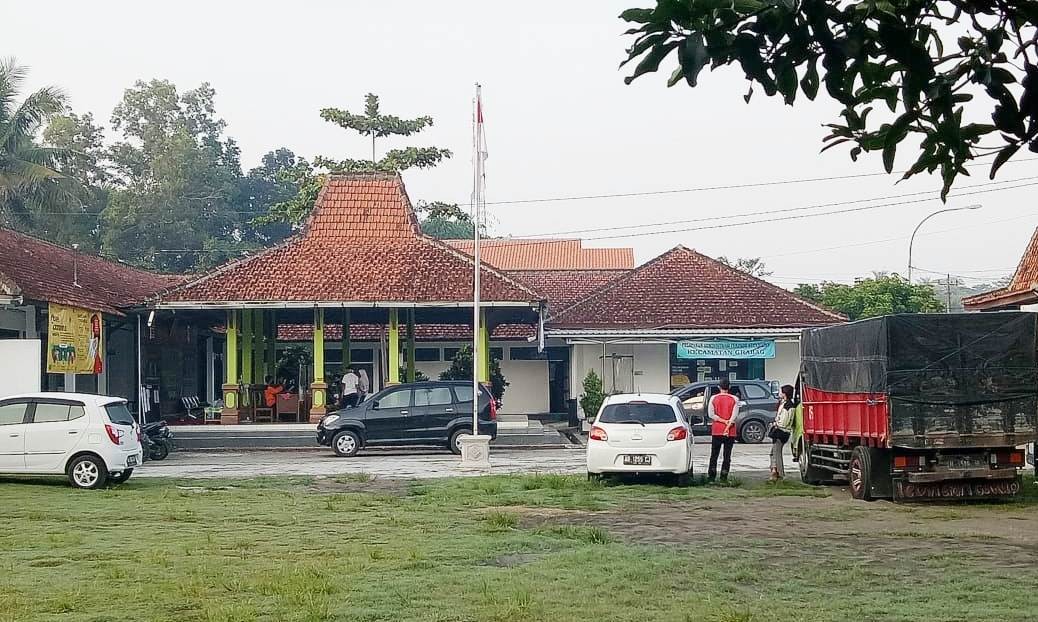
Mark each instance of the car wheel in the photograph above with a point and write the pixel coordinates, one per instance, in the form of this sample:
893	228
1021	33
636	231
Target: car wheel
87	472
121	477
158	451
346	444
859	472
683	480
753	431
454	444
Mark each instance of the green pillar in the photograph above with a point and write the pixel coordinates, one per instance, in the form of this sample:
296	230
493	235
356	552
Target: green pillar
259	346
410	345
346	346
247	349
484	347
229	415
394	347
272	344
319	389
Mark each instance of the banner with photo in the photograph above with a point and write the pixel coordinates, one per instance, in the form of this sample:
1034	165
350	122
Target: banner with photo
74	340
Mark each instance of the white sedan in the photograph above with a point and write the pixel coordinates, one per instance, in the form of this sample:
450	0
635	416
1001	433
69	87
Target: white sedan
91	439
641	433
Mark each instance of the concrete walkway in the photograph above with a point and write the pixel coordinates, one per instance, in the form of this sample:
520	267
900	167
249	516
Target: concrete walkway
408	464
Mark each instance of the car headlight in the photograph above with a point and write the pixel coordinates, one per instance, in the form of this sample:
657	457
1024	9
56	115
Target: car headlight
330	419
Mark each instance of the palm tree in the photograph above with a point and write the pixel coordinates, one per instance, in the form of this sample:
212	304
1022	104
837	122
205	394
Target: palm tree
29	177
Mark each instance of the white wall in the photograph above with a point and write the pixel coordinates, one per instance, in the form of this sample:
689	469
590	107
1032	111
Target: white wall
651	365
786	364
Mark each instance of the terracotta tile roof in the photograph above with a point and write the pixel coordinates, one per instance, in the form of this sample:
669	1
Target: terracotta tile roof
1021	289
685	289
41	271
547	254
361	244
565	287
422	332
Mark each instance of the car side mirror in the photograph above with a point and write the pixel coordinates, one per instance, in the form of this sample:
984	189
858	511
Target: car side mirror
742	403
374	404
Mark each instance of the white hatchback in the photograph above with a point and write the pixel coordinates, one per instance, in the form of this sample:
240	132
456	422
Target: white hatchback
92	439
641	433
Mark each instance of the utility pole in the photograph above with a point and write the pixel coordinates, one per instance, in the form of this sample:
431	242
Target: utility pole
948	284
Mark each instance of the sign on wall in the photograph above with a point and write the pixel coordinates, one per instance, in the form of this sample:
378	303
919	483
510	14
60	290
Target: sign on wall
725	349
73	340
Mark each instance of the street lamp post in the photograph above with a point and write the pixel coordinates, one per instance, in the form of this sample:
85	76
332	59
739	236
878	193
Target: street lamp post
916	230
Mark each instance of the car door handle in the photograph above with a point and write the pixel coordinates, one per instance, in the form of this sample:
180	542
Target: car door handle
450	410
73	431
403	412
15	435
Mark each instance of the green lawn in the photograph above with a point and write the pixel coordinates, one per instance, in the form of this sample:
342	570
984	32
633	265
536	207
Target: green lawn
504	548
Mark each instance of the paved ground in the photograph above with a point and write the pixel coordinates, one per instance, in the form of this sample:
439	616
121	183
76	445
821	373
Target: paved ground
406	463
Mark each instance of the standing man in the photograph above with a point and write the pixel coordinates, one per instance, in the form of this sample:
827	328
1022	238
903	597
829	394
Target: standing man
349	388
722	410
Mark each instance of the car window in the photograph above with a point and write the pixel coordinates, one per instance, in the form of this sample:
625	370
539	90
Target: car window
49	413
12	413
464	394
75	412
755	392
637	412
119	414
734	390
400	398
435	396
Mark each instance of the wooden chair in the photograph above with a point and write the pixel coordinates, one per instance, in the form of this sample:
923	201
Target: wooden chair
261	412
288	405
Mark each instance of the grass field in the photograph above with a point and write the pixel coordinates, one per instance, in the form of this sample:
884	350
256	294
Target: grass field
504	548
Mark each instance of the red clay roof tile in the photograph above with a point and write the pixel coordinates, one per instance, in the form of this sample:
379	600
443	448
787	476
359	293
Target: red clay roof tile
1020	288
546	254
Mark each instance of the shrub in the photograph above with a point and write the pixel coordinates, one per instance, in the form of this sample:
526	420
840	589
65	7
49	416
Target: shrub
461	369
593	395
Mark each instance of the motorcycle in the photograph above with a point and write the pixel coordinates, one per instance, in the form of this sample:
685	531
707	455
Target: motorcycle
157	440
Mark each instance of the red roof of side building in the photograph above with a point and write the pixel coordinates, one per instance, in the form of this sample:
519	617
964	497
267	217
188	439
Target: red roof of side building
422	332
683	289
361	244
547	254
1021	289
42	271
565	287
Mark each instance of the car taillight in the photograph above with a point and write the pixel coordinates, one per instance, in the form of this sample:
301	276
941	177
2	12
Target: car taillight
679	433
493	409
904	462
598	434
114	435
1009	457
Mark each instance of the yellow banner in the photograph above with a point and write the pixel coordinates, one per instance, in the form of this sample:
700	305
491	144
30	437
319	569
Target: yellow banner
73	340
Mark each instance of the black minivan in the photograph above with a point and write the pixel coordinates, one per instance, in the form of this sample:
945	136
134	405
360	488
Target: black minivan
420	413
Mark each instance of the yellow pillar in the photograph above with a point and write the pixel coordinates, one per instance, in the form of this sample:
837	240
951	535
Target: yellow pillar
320	390
484	347
247	349
259	346
410	345
272	344
394	347
229	414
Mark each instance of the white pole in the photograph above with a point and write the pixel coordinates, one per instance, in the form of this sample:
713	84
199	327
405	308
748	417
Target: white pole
477	196
141	398
911	240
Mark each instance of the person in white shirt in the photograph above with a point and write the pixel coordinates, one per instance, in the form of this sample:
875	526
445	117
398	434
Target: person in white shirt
350	380
363	386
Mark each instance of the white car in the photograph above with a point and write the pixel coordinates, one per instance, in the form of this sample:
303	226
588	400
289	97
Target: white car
641	433
92	439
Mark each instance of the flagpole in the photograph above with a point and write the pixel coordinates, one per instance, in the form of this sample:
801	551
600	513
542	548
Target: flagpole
477	198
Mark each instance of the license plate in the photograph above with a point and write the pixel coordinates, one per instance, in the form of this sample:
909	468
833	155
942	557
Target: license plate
965	462
131	460
638	460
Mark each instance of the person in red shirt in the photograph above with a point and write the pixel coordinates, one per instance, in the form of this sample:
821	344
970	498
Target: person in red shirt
722	410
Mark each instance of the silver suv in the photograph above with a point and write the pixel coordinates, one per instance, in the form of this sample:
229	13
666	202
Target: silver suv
758	402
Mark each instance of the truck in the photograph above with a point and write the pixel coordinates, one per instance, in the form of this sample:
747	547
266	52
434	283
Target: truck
920	406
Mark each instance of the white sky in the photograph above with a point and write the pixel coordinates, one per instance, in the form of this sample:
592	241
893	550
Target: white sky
559	119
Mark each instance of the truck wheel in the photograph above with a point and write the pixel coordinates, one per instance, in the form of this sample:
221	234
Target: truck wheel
808	474
860	473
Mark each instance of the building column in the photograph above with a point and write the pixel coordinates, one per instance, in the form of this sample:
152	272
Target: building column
247	350
484	347
272	344
346	346
231	403
394	348
260	347
410	345
319	406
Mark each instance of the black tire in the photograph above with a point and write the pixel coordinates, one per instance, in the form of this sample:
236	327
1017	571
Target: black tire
809	474
121	477
159	451
683	480
346	444
860	473
595	477
753	431
88	472
452	442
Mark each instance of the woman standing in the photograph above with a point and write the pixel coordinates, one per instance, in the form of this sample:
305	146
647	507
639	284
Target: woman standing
781	430
363	386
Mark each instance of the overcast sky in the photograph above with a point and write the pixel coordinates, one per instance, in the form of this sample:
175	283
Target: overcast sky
560	122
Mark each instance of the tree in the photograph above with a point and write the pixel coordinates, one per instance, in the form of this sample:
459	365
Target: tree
880	295
894	53
30	179
753	266
461	369
444	221
309	179
176	205
593	396
271	183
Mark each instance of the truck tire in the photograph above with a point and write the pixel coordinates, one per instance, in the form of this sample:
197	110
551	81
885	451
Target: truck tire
809	474
860	471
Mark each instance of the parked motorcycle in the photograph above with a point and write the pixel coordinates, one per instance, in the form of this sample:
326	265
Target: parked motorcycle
157	440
